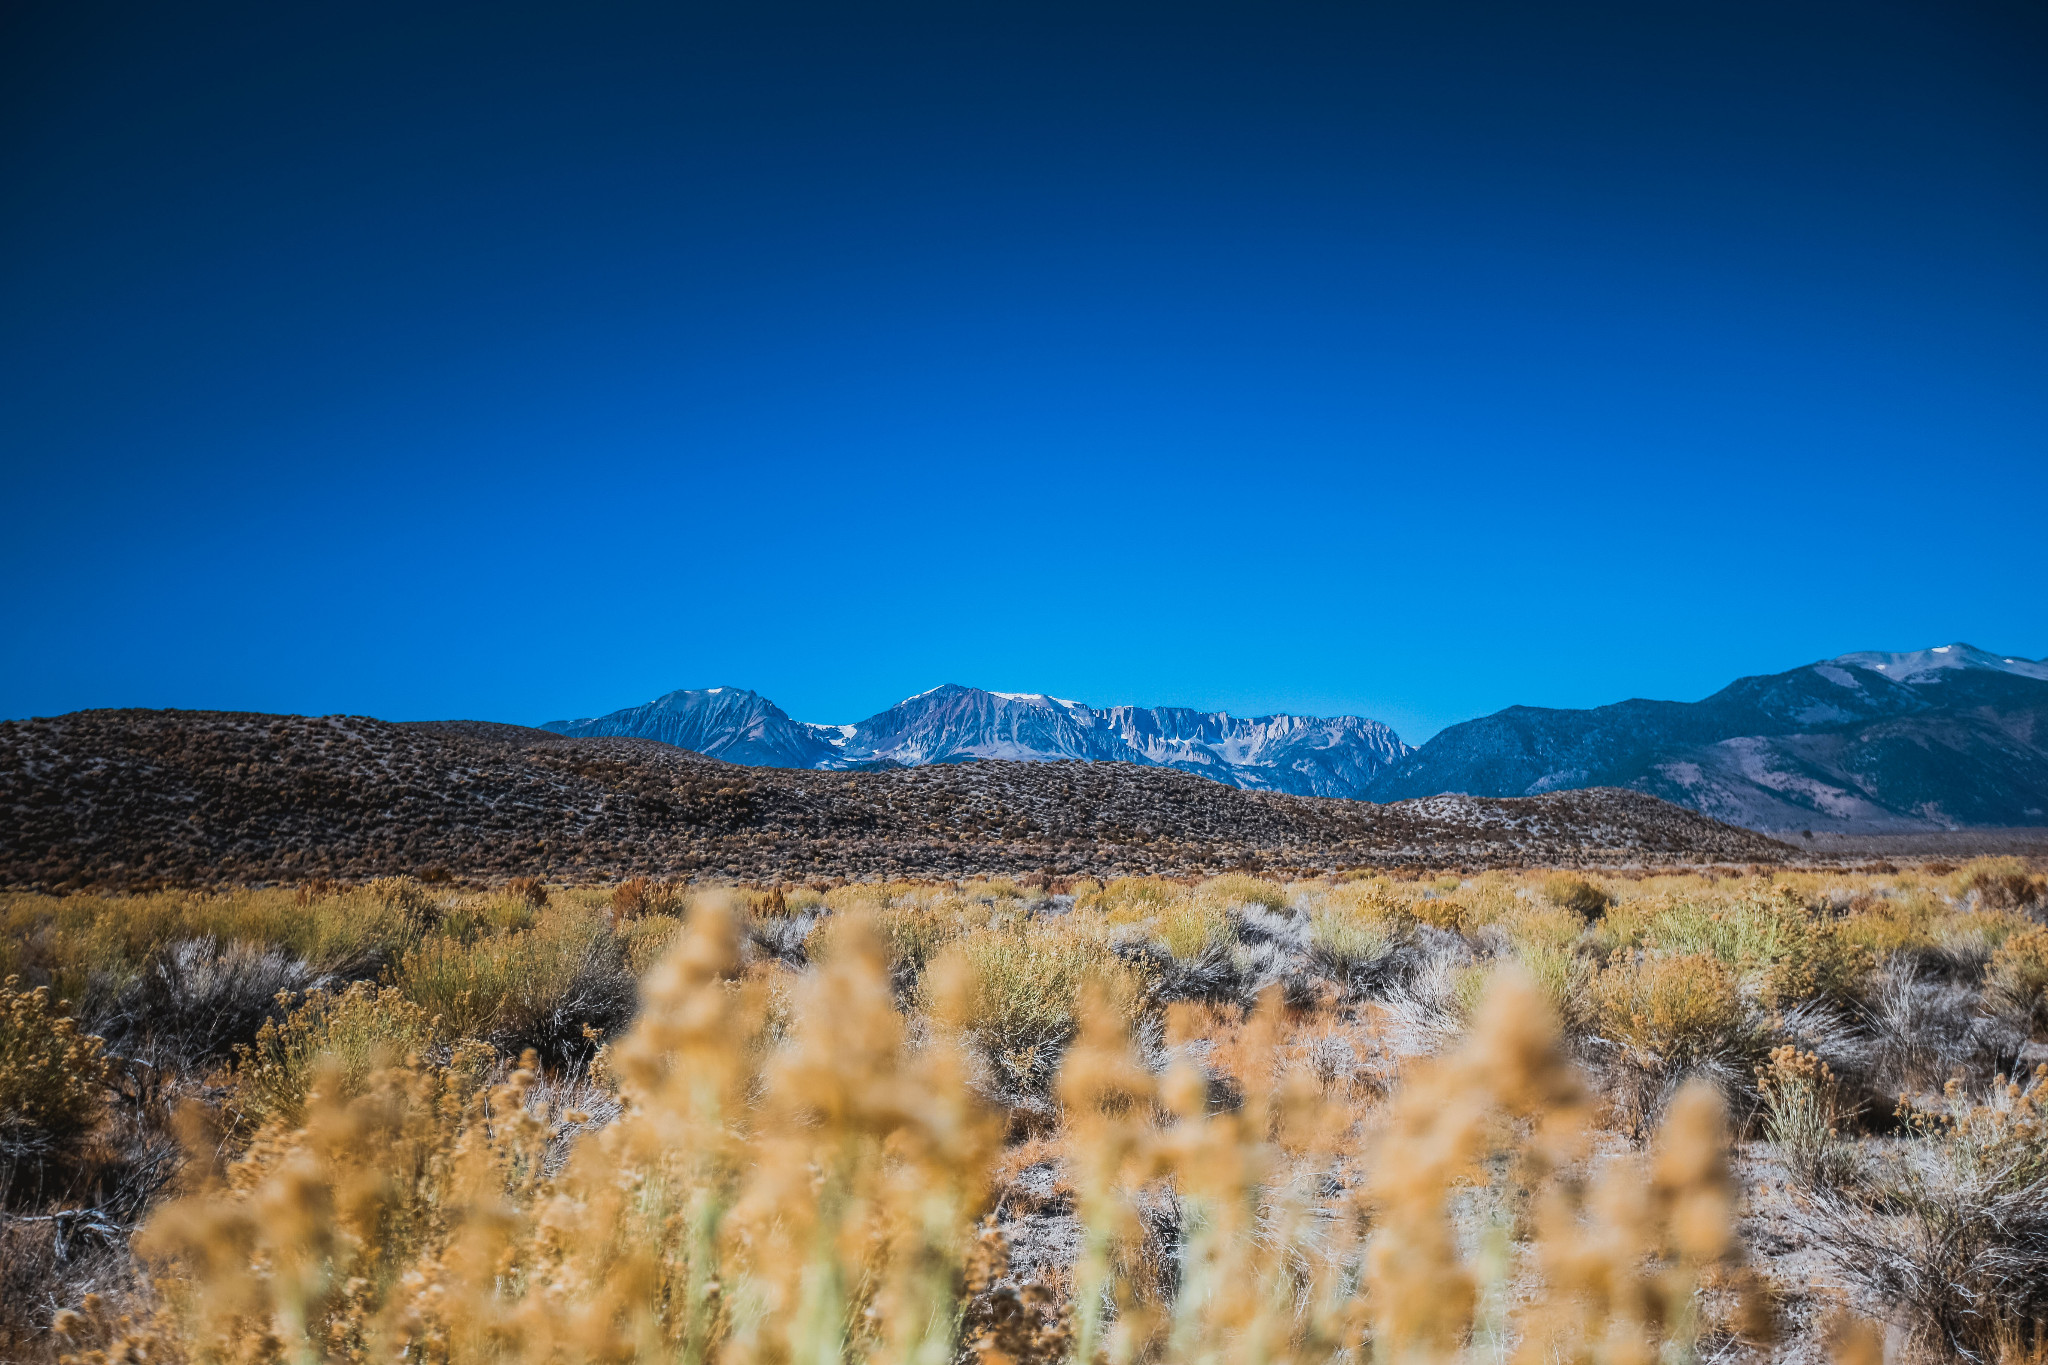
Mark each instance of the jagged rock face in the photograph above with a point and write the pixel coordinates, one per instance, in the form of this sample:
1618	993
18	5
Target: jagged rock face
1337	756
1303	755
1870	742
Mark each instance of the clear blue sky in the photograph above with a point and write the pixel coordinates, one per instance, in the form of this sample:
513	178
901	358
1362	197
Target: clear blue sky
517	361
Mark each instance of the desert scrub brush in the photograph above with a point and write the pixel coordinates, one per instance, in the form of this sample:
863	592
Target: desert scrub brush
1583	898
1952	1233
53	1079
2016	982
1804	1111
1026	982
351	1035
1665	1018
537	987
1999	883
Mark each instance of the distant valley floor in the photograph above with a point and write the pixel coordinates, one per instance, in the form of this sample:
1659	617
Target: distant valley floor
1957	844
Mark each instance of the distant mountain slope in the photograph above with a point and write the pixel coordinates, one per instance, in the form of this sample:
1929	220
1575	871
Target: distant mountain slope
1302	755
728	723
146	798
1934	739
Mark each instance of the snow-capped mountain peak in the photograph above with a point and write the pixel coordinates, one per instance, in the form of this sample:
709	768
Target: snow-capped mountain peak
1929	665
1334	756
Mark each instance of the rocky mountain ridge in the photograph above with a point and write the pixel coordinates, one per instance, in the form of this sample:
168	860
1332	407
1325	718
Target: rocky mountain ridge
1302	755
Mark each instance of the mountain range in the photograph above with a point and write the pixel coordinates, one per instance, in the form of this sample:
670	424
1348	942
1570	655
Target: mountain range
1301	755
1941	738
1870	742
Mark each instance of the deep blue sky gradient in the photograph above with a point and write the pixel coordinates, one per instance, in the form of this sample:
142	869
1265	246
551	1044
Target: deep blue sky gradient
519	361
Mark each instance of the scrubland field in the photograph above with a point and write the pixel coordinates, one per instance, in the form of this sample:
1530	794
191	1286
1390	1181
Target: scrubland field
1619	1117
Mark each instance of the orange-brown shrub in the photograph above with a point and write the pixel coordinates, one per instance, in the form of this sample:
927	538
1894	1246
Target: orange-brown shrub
2016	980
532	890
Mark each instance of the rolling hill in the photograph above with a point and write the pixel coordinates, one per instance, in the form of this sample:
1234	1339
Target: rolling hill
134	799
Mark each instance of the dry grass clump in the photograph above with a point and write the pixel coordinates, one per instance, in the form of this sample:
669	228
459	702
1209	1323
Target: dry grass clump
1026	986
1779	950
1126	900
531	890
638	896
1907	924
90	949
1552	945
1348	940
195	999
1952	1231
409	897
912	935
1238	888
499	912
1442	911
646	940
1669	1017
539	987
1805	1110
1193	927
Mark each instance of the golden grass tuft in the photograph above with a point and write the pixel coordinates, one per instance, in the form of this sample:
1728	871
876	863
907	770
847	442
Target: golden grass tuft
1238	888
638	896
529	987
1804	1107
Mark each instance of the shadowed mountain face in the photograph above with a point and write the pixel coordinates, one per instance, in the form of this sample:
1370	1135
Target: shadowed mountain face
1306	756
728	723
1935	739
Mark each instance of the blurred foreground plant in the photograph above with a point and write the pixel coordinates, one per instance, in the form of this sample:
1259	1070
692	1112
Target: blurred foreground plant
808	1186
